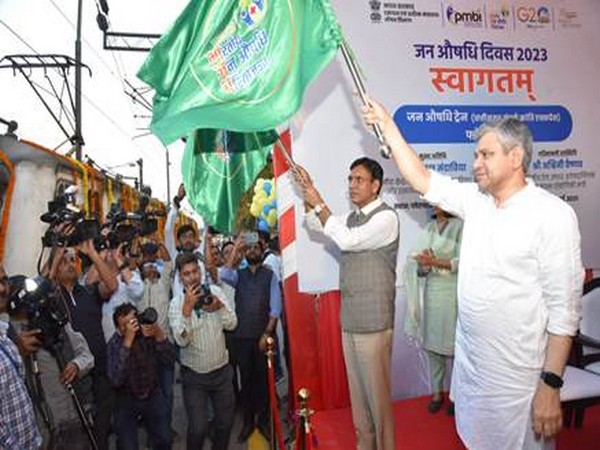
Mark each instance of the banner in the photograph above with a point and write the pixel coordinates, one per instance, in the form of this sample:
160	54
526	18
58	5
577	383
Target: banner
442	69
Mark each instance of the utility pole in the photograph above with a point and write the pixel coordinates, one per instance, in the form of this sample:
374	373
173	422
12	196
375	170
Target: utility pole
140	163
77	138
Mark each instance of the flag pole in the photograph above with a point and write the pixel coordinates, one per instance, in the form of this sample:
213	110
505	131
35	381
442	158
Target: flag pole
288	159
360	86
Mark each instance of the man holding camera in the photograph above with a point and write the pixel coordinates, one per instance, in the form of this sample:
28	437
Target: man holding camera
136	350
258	306
83	303
18	427
198	318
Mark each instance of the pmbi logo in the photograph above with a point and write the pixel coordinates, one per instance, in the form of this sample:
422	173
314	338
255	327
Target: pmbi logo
252	11
534	17
473	18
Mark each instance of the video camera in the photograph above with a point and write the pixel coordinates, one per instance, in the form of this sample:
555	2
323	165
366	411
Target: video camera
76	228
36	298
123	227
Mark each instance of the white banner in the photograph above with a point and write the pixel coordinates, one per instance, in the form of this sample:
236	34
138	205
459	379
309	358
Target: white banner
442	69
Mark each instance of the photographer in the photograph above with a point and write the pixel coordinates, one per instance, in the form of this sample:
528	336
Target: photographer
83	302
156	273
56	364
18	427
198	319
130	287
135	352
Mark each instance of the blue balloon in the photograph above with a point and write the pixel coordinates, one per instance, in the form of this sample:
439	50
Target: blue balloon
273	203
266	209
267	187
263	225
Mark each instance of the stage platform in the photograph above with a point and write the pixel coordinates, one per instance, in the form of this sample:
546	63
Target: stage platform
417	429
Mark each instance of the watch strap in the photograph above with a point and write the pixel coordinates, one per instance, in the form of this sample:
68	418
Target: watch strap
551	379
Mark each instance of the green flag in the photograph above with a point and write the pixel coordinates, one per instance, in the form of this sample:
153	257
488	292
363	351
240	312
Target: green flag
240	65
218	167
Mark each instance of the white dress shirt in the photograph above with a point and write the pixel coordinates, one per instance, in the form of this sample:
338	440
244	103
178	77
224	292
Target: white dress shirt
379	231
127	292
520	277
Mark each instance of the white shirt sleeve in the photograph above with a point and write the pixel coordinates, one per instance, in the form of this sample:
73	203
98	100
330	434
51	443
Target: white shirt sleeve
379	231
180	326
312	221
562	272
449	194
170	232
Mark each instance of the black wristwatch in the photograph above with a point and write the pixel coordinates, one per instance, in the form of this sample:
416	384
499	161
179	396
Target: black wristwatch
551	379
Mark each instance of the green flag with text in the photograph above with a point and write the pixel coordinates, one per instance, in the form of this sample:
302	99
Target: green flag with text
240	65
218	167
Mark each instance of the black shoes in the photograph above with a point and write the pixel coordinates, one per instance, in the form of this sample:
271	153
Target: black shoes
247	430
435	405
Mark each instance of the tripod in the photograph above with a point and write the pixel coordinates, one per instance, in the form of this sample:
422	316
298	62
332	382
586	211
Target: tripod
80	412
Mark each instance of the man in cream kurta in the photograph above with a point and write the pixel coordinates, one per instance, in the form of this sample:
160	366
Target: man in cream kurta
519	287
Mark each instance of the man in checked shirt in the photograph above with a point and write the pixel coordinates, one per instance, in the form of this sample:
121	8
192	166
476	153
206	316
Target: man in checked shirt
18	428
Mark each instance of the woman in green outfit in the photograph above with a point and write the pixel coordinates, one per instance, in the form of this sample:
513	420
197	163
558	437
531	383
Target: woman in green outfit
431	276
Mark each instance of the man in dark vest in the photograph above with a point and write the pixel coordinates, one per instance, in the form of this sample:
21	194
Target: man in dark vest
368	240
258	306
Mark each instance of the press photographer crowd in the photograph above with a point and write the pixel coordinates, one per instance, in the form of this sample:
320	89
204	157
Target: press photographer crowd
89	346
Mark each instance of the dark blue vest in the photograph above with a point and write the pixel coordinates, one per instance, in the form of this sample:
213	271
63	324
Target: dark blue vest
252	297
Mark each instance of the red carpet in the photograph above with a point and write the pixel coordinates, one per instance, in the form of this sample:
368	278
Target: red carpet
416	429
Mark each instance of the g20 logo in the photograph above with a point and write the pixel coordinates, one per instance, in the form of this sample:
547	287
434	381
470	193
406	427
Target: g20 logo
532	15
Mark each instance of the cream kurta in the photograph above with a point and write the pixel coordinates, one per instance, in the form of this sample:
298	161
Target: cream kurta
520	277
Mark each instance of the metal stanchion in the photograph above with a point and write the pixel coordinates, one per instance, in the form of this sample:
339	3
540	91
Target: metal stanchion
304	434
276	438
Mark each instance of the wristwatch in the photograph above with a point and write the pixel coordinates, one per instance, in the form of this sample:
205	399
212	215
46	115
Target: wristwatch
318	208
551	379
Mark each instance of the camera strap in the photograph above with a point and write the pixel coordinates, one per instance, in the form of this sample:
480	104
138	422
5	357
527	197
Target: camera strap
12	360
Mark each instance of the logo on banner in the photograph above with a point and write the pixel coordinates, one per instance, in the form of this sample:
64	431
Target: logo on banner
472	18
568	18
534	17
252	11
500	18
375	11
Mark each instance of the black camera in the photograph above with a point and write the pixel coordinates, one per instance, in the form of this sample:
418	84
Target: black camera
123	227
36	298
205	297
61	210
149	316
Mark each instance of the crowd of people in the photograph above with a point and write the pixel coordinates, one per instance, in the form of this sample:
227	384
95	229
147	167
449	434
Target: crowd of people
131	313
494	284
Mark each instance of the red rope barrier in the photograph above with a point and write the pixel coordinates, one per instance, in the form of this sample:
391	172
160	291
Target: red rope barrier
273	401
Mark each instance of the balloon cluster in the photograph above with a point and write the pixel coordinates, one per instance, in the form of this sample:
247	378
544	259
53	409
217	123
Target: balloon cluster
264	204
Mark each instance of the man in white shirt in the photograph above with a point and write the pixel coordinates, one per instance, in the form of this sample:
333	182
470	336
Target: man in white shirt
519	284
188	239
198	325
368	238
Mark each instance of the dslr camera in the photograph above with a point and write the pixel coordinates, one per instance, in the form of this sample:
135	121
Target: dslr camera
149	316
205	297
